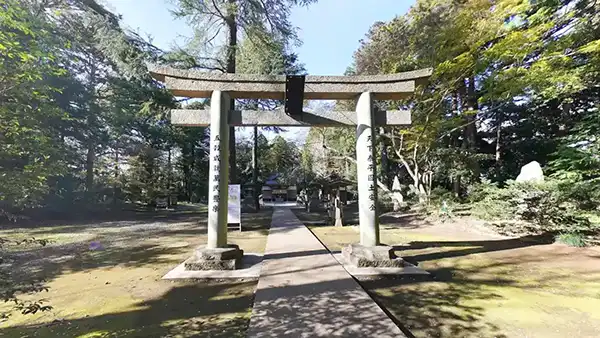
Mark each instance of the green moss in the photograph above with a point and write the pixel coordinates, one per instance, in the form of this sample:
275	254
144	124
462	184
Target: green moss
118	291
485	288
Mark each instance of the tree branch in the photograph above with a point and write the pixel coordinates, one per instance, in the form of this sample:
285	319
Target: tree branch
218	10
266	11
351	159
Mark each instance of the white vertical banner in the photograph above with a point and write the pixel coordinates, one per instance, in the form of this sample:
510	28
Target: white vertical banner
234	215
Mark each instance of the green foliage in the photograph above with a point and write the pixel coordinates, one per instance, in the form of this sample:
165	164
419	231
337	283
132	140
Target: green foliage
544	207
331	151
257	19
490	201
513	81
28	119
276	157
146	179
77	101
577	159
442	204
282	158
13	286
572	239
244	159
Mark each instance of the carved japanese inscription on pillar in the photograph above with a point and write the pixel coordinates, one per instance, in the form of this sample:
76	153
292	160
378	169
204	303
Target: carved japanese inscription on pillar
218	171
216	160
371	176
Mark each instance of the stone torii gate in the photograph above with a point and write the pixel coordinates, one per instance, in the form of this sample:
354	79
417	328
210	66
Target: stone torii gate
221	88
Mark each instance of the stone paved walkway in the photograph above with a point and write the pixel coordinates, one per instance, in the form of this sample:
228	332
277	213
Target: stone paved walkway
304	292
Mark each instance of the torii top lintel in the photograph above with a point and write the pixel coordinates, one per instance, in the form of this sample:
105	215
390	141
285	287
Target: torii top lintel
200	84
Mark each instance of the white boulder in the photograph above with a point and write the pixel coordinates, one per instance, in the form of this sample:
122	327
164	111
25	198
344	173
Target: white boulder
531	172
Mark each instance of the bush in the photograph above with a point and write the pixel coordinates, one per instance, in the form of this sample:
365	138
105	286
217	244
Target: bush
572	239
12	290
439	194
491	202
442	204
544	207
585	194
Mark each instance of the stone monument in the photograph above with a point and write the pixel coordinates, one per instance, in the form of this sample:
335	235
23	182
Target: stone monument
397	197
531	172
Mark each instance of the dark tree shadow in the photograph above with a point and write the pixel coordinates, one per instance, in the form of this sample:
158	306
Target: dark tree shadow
439	305
188	310
389	220
127	245
437	310
155	222
474	247
192	310
78	214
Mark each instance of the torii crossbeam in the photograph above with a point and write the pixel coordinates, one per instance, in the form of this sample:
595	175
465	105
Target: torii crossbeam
220	88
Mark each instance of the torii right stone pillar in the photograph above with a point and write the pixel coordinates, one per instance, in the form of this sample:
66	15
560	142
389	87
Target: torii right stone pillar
366	172
217	254
369	253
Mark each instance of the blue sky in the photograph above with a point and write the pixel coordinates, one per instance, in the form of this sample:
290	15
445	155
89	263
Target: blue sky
330	29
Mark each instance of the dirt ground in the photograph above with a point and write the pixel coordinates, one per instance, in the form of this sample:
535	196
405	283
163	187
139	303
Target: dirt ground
104	279
482	284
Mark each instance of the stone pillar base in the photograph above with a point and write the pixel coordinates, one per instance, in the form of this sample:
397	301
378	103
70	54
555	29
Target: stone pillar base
229	258
372	256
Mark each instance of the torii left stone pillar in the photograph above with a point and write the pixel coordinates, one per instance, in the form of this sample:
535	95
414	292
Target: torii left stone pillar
218	172
217	255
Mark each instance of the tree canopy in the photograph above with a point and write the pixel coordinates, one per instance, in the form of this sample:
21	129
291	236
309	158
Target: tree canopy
514	81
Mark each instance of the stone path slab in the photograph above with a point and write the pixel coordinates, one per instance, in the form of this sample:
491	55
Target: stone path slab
304	292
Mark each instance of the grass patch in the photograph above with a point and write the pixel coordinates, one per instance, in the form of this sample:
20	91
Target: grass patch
117	310
117	291
572	239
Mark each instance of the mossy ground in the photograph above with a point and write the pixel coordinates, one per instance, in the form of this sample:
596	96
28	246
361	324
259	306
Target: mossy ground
117	291
484	286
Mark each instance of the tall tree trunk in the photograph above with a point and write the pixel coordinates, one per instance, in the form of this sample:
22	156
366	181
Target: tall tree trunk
91	124
231	51
169	176
452	143
385	169
471	126
255	169
186	169
89	169
191	169
456	186
116	183
470	116
461	98
499	120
